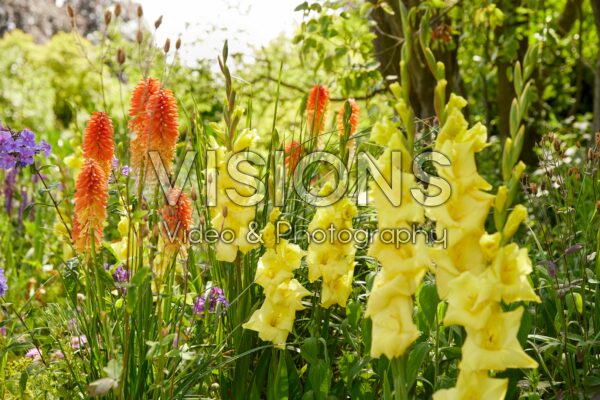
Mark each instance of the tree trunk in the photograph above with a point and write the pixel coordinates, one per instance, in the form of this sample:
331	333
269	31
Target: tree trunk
388	43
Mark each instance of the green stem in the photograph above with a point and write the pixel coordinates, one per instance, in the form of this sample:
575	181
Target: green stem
399	372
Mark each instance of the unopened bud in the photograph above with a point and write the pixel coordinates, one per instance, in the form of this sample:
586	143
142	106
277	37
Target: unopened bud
70	11
167	45
202	220
158	22
107	17
117	10
140	12
597	137
178	44
598	205
194	194
121	56
139	37
533	187
557	145
225	212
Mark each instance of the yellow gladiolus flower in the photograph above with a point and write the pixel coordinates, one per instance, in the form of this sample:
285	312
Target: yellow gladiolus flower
496	347
490	244
393	328
509	273
464	255
471	301
275	319
474	386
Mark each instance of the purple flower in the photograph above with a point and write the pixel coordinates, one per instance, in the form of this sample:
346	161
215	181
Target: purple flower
213	297
120	274
35	354
115	163
57	355
3	330
125	170
78	342
18	149
3	285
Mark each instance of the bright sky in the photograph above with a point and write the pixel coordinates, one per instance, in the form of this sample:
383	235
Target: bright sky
205	24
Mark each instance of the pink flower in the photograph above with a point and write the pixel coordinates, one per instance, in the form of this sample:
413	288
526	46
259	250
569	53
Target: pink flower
35	354
78	342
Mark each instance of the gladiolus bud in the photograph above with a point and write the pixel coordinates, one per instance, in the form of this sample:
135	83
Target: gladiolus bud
178	44
117	10
140	12
518	215
139	37
167	45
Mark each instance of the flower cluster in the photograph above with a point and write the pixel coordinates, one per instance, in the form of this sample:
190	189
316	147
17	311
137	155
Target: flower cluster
91	194
3	284
477	272
228	215
177	216
154	119
332	259
210	300
98	142
316	108
390	303
275	318
17	149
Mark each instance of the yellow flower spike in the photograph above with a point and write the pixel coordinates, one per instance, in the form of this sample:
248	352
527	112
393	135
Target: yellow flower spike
490	244
474	386
496	347
471	301
393	328
517	215
329	258
509	272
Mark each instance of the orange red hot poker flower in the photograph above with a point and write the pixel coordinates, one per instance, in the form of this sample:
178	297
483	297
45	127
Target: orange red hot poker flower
91	196
154	120
139	102
292	151
177	217
316	108
98	142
